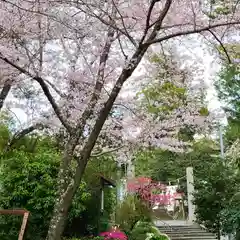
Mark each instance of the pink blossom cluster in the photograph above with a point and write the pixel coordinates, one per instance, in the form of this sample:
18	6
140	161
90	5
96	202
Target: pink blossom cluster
164	199
142	182
145	187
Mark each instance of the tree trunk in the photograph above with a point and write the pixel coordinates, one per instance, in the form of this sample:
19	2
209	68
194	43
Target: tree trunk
68	183
218	233
238	232
3	95
57	223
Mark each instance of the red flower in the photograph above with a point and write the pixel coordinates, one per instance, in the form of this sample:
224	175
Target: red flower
114	235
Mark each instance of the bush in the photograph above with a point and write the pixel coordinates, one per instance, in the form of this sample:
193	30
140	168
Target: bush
85	238
28	175
28	180
131	211
146	231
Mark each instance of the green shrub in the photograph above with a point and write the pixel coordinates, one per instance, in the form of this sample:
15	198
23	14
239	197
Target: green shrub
131	211
28	180
146	231
85	238
161	237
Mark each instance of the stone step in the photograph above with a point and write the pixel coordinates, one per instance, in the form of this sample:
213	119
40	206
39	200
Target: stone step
187	232
191	238
182	230
180	227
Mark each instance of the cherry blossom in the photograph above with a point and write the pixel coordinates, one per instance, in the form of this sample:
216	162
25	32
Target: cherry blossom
82	54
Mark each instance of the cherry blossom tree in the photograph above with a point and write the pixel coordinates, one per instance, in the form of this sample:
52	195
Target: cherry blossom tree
81	54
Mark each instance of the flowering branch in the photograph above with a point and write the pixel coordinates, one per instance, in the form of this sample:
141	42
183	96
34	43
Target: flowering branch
99	82
107	152
158	21
188	32
45	90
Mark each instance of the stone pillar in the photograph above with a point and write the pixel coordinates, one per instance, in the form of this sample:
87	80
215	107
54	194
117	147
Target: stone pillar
130	169
119	184
190	190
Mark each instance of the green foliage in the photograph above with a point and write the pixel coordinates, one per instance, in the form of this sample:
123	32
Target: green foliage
28	175
233	51
203	111
213	194
220	8
130	211
106	165
28	180
163	98
6	119
215	183
186	134
157	164
167	91
230	219
165	166
230	216
232	131
85	238
91	221
146	231
228	88
4	136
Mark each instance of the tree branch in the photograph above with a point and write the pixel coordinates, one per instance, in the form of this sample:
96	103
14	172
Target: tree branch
188	32
220	42
45	90
159	21
123	23
148	26
104	112
54	18
107	151
55	89
110	23
18	135
100	80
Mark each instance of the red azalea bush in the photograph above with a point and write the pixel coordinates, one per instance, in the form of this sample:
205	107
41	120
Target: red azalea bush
114	234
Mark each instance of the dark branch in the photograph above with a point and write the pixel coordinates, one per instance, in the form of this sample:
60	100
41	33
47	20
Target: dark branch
188	32
99	82
220	42
159	21
147	27
17	136
45	90
107	151
3	95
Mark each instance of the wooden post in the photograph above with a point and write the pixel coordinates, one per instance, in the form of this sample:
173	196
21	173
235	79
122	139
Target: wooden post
25	214
23	227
